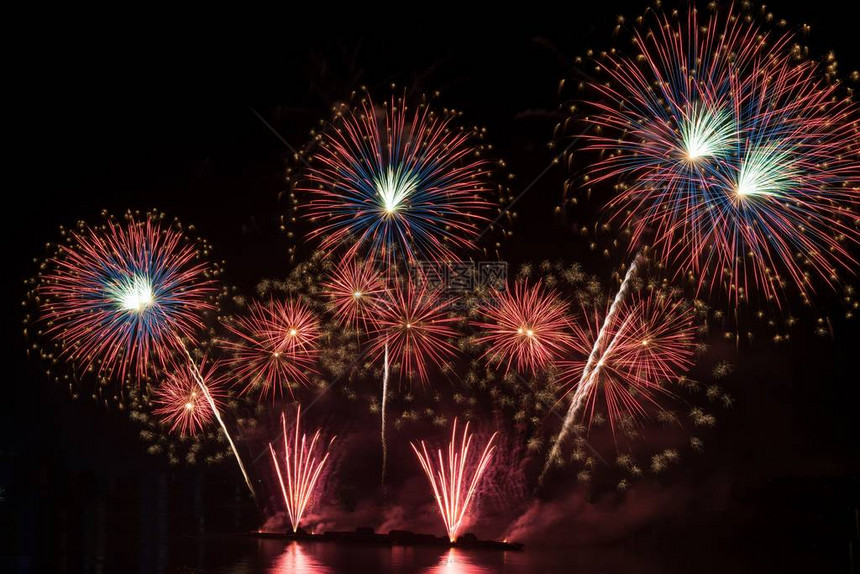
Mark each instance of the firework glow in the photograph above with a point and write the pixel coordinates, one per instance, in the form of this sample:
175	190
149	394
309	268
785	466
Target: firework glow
398	182
735	158
119	296
526	328
274	346
303	463
455	479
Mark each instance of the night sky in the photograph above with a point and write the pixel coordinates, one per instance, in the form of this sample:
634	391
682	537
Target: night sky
127	119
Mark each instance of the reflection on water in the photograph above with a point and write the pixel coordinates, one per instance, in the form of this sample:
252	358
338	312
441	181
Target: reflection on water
296	560
457	562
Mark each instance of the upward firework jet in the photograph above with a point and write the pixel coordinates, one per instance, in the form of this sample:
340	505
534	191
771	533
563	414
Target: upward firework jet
644	343
210	399
586	381
398	182
455	479
118	297
303	463
736	159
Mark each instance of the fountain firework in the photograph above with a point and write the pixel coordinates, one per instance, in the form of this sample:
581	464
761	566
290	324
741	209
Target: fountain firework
302	469
455	480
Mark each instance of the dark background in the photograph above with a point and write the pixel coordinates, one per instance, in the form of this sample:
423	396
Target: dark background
139	116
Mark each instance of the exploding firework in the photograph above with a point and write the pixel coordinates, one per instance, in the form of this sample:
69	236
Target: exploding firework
274	346
646	346
353	289
456	478
181	403
119	297
737	160
303	463
398	183
414	328
526	327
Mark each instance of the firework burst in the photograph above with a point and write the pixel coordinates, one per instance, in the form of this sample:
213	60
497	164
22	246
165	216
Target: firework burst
353	288
398	182
526	328
737	160
455	479
180	401
119	297
303	462
414	329
274	346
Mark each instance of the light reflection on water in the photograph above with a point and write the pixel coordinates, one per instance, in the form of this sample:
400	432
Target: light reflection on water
457	562
309	558
296	560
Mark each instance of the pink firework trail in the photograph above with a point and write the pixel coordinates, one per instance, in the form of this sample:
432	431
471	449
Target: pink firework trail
180	401
120	297
738	162
398	182
526	328
454	480
303	462
274	346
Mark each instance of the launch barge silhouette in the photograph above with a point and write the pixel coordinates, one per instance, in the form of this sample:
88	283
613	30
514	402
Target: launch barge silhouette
366	535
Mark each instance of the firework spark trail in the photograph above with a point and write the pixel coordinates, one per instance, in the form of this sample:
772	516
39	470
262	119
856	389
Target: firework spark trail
301	469
212	405
382	408
589	373
453	489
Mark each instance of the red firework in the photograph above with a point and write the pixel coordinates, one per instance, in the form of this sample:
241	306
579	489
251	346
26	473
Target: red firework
526	328
398	182
413	322
181	403
303	463
274	346
118	296
353	289
454	480
646	346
